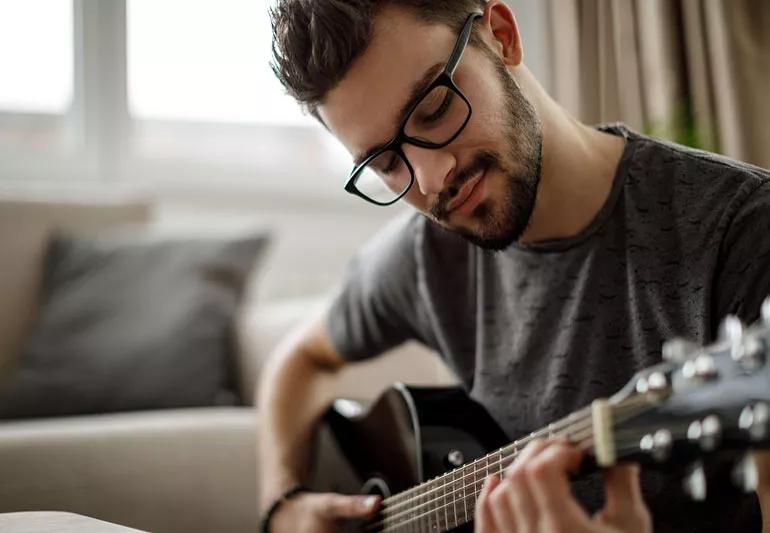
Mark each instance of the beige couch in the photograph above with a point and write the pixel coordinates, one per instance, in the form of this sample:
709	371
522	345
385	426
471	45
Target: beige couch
191	470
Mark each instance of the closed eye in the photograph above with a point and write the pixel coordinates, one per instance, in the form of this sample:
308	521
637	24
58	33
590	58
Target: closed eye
442	109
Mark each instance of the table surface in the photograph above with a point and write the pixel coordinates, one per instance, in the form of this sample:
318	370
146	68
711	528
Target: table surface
61	522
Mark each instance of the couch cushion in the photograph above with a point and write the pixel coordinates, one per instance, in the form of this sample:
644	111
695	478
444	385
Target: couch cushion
25	226
130	323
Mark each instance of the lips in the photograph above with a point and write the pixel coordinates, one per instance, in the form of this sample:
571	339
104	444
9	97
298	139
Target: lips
465	192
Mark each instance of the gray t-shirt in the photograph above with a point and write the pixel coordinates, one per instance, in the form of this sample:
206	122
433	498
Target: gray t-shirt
539	330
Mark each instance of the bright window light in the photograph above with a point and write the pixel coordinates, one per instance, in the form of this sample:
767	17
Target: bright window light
204	60
36	58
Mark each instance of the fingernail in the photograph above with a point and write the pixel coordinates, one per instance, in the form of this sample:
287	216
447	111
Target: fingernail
369	502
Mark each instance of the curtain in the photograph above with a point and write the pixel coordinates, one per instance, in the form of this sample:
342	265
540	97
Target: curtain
693	71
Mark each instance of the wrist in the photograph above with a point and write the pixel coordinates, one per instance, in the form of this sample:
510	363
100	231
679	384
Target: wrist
277	503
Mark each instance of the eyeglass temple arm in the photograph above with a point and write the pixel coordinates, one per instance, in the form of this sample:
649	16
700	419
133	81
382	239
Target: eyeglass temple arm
462	42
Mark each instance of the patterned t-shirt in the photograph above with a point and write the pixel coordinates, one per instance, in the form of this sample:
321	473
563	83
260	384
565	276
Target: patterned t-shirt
539	330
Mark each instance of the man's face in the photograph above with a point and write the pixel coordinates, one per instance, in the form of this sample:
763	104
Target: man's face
483	185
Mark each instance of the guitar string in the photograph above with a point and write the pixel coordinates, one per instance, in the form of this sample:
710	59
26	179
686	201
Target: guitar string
471	471
472	498
391	509
629	412
574	418
629	445
551	431
474	492
579	435
415	520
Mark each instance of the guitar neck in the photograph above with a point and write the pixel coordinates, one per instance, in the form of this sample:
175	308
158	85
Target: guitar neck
449	500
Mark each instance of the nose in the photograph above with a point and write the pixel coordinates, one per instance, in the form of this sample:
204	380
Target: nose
431	167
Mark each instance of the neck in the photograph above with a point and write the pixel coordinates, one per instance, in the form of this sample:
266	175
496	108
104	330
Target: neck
578	168
449	501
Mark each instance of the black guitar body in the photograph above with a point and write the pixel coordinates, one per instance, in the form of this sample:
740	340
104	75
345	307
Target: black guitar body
410	435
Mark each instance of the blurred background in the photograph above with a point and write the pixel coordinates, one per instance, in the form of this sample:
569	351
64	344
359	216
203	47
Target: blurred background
167	214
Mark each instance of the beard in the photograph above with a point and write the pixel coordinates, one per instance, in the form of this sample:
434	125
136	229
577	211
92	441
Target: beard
499	221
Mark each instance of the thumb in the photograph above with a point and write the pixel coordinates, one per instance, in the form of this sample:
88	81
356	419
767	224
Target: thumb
341	506
622	488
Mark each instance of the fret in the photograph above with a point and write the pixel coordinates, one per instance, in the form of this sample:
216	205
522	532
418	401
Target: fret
464	484
453	493
474	485
444	505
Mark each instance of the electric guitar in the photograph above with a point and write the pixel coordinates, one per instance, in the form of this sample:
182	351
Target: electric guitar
426	451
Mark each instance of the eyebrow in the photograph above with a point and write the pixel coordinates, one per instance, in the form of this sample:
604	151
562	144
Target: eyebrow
417	89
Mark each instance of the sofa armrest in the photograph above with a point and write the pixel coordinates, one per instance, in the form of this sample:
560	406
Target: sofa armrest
189	470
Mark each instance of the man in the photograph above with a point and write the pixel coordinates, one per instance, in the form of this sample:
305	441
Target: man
548	262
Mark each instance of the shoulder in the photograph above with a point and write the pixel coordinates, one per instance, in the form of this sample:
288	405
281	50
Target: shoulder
687	166
698	188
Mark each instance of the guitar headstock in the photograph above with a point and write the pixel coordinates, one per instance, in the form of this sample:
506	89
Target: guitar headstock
699	402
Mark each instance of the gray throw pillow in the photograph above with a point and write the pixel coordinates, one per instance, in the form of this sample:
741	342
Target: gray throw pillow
127	323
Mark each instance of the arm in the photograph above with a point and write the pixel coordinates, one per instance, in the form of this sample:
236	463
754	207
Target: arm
295	389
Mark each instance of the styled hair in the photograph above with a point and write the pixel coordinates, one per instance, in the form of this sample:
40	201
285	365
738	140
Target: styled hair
315	42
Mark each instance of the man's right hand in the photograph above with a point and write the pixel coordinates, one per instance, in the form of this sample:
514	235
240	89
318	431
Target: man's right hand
321	512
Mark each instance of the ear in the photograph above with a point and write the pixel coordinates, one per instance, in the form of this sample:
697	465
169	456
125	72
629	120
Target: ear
500	22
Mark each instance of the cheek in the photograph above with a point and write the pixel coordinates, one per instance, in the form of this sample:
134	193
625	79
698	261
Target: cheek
487	122
416	199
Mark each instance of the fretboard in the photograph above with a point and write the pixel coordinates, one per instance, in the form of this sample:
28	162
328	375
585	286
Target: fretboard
449	500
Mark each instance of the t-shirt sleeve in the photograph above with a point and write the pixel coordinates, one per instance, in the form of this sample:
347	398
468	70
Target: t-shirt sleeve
743	271
377	307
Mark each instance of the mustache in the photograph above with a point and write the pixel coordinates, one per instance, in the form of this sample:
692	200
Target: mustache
482	161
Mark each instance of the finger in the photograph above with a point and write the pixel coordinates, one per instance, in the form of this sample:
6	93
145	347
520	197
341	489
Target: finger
547	478
622	489
522	502
340	506
529	451
762	461
484	521
502	511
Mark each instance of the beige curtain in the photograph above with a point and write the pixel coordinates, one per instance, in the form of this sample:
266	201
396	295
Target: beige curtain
694	71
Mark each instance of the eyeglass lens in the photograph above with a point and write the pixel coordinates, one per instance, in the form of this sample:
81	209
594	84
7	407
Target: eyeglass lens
436	119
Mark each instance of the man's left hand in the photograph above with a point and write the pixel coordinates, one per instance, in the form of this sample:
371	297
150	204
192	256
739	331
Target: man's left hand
535	496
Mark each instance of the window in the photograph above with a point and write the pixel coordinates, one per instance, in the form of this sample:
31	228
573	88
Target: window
37	87
172	96
198	60
39	79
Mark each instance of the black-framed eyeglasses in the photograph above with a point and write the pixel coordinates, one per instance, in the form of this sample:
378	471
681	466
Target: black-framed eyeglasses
436	119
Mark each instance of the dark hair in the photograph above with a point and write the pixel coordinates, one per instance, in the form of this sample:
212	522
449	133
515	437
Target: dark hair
316	41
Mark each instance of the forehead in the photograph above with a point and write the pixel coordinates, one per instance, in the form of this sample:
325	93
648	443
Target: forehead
363	109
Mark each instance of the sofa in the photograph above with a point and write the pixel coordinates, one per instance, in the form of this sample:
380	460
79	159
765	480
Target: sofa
166	470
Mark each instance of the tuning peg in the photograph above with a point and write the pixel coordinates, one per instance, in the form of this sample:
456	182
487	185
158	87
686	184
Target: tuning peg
707	433
765	312
755	419
702	368
694	482
678	350
658	445
731	329
749	353
745	473
655	382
